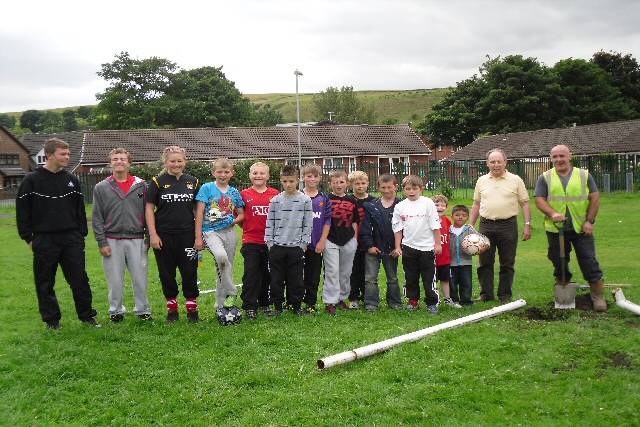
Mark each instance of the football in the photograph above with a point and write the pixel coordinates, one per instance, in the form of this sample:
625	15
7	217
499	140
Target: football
229	316
475	244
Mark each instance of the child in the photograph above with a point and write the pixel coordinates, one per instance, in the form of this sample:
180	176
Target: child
359	182
443	273
341	244
288	233
256	277
417	239
119	228
321	206
376	236
220	207
460	262
170	221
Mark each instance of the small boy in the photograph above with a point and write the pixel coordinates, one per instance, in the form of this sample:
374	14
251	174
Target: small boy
321	206
417	239
359	182
288	233
256	276
341	244
376	236
460	262
220	207
443	272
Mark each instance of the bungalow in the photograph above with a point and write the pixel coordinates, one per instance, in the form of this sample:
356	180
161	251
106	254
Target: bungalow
14	160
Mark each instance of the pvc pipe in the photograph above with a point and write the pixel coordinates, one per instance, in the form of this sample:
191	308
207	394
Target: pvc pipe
371	349
622	302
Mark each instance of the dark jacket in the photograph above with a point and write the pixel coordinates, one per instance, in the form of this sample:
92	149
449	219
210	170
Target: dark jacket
49	202
376	229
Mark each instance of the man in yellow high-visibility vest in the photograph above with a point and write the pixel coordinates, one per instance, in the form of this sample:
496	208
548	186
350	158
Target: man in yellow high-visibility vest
569	195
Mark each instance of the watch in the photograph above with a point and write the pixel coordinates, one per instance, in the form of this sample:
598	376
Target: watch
527	223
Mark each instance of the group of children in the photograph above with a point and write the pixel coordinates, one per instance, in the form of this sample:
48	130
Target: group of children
288	236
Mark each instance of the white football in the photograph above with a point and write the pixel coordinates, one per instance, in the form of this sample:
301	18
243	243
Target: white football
475	244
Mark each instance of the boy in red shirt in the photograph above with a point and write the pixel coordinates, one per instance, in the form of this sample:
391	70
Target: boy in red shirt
256	277
443	260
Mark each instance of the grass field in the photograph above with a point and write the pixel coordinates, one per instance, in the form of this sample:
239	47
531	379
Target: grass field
577	368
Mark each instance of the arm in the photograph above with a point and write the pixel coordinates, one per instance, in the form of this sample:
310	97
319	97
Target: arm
270	224
544	207
398	250
592	212
526	210
23	210
149	216
438	241
81	211
97	222
322	243
307	225
366	234
475	212
239	216
199	242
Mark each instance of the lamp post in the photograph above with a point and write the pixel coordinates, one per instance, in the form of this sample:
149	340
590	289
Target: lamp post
298	74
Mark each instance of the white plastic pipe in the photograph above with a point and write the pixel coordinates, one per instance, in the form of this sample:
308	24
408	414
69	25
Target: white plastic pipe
622	302
371	349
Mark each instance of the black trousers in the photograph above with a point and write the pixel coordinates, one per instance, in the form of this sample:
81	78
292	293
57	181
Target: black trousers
287	265
460	284
503	235
66	249
256	278
312	270
357	276
585	248
420	264
178	252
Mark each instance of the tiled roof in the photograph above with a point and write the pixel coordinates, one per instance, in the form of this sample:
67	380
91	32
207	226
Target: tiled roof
614	137
35	141
13	171
256	142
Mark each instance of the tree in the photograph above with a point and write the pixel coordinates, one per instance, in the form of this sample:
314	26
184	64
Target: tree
69	121
32	120
265	115
85	111
345	104
8	121
625	74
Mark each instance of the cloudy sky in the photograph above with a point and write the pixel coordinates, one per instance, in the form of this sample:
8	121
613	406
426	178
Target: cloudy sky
50	50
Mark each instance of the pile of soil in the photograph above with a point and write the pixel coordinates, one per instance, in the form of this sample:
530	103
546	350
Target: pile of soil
545	314
618	359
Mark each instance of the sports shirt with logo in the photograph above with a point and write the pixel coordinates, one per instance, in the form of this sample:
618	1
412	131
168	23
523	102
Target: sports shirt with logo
175	200
344	213
219	206
256	208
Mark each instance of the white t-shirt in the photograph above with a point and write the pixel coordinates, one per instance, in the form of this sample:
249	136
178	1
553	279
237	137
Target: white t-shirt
456	230
417	219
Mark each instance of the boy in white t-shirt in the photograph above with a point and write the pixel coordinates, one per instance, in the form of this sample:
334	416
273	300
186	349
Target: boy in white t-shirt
416	226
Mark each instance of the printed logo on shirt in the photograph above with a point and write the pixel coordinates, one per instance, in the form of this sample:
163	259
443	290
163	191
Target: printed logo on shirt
167	186
191	253
317	215
172	197
70	184
220	209
260	210
190	186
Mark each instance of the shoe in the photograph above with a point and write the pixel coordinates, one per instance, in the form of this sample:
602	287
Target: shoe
267	310
505	300
433	309
597	296
172	316
145	317
311	309
53	325
193	316
330	309
342	305
354	305
413	304
229	301
116	318
276	312
395	306
301	312
450	302
91	321
251	314
370	308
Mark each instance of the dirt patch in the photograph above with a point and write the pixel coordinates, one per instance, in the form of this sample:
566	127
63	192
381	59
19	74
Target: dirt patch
583	302
618	359
547	314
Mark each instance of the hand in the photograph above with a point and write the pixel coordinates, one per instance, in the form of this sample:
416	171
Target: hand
397	252
374	251
557	217
105	251
199	244
587	228
526	232
438	248
320	246
155	241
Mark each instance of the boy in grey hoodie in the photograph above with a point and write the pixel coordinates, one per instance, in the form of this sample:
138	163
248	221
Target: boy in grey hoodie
461	270
119	227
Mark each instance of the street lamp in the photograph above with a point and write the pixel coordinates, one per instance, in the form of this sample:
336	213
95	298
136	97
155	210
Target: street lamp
298	74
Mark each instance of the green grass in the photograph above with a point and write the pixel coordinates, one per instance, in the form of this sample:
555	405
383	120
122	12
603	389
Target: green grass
506	370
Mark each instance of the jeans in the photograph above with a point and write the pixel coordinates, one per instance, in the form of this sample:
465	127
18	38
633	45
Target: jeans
460	284
371	289
584	246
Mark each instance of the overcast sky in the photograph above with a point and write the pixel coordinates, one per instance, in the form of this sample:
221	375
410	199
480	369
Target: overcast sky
50	50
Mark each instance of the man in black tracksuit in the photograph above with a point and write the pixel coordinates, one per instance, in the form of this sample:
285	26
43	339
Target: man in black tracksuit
52	220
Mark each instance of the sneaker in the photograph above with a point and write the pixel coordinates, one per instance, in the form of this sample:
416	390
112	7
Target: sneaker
229	301
251	314
276	312
301	312
311	309
91	321
450	302
354	305
433	309
413	304
116	318
172	316
53	325
145	317
395	306
266	309
370	308
193	316
342	305
330	309
505	300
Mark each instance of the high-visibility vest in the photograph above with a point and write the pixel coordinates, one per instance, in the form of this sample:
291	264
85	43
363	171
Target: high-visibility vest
575	197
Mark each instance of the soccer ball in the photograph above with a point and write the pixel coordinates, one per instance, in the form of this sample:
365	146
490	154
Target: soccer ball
475	244
229	316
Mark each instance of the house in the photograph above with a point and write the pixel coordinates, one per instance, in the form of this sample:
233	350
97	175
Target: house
15	161
35	143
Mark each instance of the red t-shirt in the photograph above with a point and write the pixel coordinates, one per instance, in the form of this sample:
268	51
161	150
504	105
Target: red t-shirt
126	185
445	257
255	213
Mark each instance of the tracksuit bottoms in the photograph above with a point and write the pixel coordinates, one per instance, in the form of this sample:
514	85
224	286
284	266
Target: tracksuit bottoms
178	252
132	255
222	244
338	261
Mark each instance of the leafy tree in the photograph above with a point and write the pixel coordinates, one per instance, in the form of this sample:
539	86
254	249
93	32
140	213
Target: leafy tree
625	73
32	120
85	111
346	105
7	120
264	115
69	121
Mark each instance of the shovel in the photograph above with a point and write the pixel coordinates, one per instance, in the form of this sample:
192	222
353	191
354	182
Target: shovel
564	292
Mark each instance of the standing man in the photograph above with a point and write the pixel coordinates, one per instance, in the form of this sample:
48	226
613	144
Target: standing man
52	220
119	225
569	197
497	199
